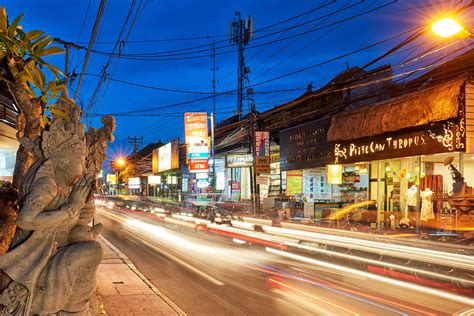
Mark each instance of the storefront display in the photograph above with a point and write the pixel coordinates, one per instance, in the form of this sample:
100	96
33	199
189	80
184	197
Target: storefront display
391	174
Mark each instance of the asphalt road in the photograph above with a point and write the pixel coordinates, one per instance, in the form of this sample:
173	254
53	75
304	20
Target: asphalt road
206	273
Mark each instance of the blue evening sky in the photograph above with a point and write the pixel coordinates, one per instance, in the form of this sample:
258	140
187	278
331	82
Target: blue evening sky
175	20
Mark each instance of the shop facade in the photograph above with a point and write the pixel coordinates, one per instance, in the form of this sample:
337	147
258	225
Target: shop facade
387	165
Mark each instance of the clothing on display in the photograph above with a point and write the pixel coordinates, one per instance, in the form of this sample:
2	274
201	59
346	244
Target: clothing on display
427	211
411	198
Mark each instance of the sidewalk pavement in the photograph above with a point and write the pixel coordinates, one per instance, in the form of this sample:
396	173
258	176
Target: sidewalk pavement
123	290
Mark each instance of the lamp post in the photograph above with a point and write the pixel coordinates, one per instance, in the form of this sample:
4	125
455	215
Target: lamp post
120	162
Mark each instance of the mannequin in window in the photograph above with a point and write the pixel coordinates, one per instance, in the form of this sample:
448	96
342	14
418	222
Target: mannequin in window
427	211
411	199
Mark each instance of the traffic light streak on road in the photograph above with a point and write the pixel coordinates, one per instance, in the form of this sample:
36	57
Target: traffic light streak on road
182	242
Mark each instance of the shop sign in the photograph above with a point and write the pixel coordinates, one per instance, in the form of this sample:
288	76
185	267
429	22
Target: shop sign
134	183
198	165
235	186
262	165
184	185
262	144
294	182
166	157
196	134
202	183
335	174
154	179
111	178
274	157
239	161
305	146
202	175
198	152
427	139
263	180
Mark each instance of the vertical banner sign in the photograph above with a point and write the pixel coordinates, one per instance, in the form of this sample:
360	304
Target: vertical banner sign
154	161
197	141
335	174
294	182
262	151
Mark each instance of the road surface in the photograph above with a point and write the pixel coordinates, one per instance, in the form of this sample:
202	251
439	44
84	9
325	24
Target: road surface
206	272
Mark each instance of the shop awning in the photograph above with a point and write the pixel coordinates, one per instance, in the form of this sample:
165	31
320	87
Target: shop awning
414	109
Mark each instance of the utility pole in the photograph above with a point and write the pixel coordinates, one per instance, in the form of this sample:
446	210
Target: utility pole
135	141
240	32
213	151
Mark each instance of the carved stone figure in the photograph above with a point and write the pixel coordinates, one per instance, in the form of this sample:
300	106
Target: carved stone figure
53	258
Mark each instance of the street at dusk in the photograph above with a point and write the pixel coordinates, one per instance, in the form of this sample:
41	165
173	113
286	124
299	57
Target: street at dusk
264	157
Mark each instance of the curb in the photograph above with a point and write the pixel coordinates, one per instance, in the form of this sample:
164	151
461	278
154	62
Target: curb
132	267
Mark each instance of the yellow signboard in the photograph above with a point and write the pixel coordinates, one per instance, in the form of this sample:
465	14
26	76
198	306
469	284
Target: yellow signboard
335	174
294	182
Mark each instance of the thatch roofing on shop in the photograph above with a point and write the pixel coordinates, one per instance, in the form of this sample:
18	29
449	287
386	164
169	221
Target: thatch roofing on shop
437	103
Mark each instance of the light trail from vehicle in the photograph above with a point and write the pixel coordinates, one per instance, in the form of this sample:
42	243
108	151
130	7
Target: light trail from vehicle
375	277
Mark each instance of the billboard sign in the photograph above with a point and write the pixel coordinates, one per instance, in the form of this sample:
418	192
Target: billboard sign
195	128
111	178
262	144
262	151
239	161
154	179
134	183
198	165
166	157
196	135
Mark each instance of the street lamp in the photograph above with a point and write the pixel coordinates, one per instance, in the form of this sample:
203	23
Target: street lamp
120	162
448	27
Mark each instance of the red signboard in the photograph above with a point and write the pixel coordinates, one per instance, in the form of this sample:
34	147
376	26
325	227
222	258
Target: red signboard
198	165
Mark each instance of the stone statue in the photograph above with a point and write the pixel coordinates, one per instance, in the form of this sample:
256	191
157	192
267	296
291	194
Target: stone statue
52	261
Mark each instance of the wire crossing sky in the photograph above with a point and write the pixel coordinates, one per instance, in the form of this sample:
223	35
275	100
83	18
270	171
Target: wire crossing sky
151	60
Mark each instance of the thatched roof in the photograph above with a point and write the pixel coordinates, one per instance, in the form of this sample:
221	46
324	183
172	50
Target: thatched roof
414	109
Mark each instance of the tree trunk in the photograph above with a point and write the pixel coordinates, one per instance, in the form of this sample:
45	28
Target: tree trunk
29	125
8	214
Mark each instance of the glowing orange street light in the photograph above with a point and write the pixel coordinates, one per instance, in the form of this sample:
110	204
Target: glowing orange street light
448	27
120	162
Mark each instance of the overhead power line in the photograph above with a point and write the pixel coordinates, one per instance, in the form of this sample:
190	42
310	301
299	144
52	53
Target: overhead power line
91	43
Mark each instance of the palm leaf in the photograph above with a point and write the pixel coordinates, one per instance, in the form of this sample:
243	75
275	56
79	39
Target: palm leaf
12	28
51	51
38	41
54	70
32	35
3	20
7	40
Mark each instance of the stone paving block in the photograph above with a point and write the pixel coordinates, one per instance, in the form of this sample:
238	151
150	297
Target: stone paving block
124	292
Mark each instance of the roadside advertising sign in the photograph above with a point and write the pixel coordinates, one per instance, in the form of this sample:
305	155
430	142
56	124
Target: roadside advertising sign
262	144
262	151
263	180
238	161
134	183
166	157
198	165
262	165
154	179
111	178
184	185
197	141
